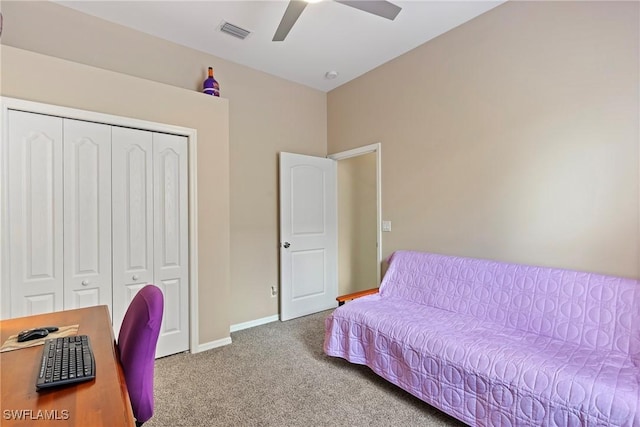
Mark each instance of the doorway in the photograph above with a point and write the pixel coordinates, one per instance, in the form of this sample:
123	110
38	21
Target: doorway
359	218
309	229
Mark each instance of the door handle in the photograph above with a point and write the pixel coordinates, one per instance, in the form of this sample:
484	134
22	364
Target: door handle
85	283
286	245
135	277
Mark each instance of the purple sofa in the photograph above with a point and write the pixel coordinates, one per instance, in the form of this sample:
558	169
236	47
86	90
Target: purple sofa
497	344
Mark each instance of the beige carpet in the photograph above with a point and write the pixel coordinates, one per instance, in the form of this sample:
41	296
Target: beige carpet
277	375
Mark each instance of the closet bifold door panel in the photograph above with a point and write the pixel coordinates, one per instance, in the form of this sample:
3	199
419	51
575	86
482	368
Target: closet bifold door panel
171	269
132	216
35	205
87	214
150	228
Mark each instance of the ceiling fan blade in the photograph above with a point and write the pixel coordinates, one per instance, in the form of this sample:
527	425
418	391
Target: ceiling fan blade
294	9
377	7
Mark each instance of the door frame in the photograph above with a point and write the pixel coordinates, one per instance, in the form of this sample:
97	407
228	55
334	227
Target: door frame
7	103
367	149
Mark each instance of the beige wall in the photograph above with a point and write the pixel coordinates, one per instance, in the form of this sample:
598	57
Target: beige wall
357	224
512	137
266	115
74	85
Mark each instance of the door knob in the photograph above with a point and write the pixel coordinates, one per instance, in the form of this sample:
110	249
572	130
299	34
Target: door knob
135	277
85	283
286	245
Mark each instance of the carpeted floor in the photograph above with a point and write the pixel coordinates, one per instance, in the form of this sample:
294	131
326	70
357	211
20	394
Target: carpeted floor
277	375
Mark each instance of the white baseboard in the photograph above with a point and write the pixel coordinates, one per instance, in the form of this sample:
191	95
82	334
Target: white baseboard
235	328
213	344
252	323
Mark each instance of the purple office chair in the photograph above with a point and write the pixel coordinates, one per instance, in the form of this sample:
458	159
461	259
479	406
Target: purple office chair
137	345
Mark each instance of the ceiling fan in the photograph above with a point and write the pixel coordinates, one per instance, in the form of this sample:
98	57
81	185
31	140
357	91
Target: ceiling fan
381	8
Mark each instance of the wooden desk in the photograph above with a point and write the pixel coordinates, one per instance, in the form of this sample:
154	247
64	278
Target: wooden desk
101	402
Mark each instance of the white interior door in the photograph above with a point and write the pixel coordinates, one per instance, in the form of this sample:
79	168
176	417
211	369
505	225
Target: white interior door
87	214
35	213
308	235
171	234
132	216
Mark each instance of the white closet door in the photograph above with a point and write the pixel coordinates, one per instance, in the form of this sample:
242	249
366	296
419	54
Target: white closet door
35	213
171	233
87	214
132	216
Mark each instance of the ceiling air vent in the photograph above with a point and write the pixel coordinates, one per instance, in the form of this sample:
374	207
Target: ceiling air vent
234	30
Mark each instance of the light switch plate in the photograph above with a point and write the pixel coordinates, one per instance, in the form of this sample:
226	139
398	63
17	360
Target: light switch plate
386	225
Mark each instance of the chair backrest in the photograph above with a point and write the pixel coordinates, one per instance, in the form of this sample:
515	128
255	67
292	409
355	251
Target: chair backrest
137	345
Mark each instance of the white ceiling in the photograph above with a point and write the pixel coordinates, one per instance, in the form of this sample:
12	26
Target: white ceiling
328	36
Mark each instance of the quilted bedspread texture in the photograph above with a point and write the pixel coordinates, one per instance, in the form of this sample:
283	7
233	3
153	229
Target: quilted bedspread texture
498	344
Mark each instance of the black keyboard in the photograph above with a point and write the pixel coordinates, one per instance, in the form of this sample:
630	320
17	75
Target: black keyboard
66	360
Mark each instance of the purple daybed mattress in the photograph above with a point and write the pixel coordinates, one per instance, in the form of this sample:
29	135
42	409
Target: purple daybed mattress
500	344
